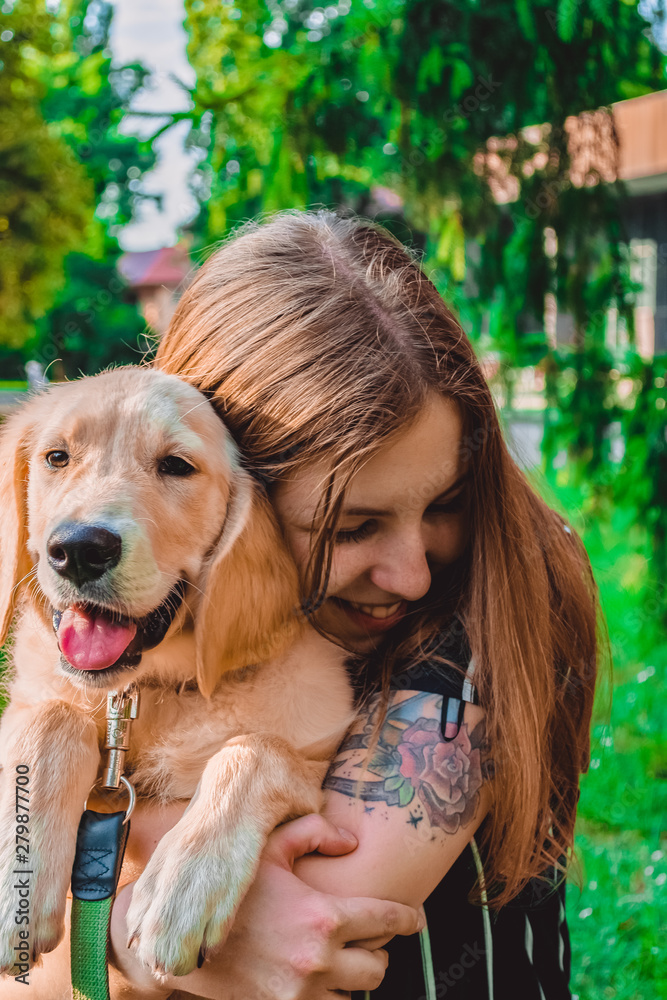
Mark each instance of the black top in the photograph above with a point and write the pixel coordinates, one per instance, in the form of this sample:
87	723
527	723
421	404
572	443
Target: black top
530	946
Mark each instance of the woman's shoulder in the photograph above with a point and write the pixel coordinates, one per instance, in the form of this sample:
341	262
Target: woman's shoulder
445	666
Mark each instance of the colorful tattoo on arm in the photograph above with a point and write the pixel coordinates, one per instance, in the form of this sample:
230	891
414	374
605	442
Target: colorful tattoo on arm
414	767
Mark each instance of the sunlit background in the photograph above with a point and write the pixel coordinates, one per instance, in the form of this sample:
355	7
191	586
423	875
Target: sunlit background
520	148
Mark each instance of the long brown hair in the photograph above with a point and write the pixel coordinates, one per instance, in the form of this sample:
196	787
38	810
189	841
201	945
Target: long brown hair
317	335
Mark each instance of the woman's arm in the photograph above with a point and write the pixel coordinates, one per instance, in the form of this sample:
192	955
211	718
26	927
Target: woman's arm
288	941
413	804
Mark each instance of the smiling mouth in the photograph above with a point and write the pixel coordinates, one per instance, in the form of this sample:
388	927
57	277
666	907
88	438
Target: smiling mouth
373	617
378	611
95	641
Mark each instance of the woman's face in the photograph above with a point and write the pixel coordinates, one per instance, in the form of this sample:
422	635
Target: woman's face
403	520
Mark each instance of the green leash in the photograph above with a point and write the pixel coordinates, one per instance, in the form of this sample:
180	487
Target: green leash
99	857
90	949
100	846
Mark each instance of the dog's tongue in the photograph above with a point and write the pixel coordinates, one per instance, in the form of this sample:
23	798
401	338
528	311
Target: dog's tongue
92	641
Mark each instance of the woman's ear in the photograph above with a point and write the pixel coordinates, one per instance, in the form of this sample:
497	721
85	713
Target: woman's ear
15	562
249	608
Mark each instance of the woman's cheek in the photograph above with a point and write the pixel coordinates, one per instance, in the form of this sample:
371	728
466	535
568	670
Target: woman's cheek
342	566
342	573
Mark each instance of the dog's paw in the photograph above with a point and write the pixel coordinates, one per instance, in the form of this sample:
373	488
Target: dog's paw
184	903
33	900
38	932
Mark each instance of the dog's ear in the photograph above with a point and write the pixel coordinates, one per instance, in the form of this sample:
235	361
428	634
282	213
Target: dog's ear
15	563
248	611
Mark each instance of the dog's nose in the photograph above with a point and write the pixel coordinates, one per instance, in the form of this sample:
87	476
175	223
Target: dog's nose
83	552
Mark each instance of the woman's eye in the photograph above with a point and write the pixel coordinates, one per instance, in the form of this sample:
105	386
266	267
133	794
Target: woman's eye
172	465
356	534
454	506
57	459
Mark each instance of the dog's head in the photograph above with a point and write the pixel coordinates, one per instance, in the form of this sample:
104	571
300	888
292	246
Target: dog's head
125	514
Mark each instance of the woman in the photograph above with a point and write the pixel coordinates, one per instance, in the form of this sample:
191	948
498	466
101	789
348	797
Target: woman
358	401
359	404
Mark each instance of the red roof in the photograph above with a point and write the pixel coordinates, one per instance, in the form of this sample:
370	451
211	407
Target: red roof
156	268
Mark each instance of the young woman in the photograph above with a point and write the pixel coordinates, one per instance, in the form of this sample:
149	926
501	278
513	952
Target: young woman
467	607
358	401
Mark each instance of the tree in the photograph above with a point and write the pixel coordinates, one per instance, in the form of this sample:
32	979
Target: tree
83	100
46	197
445	102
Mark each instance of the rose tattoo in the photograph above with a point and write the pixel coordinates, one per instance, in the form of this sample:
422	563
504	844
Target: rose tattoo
446	776
417	767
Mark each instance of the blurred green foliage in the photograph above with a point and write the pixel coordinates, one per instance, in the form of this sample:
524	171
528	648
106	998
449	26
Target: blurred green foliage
69	182
296	105
618	918
45	194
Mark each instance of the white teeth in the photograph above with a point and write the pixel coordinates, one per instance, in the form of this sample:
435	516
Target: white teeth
375	610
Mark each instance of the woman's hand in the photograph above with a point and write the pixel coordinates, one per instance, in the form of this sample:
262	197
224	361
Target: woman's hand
288	941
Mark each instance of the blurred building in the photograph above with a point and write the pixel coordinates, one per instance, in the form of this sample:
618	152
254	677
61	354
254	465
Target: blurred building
155	280
642	128
639	126
631	146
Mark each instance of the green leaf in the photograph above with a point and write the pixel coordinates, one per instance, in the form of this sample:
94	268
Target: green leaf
392	784
451	246
566	19
430	69
406	794
525	17
382	759
462	78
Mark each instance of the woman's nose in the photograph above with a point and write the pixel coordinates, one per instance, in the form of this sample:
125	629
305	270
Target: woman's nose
402	568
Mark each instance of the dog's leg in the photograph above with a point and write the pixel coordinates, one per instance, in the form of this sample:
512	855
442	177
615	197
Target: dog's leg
50	758
200	871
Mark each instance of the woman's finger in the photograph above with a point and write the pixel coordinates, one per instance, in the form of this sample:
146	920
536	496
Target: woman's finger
371	944
365	920
358	969
308	834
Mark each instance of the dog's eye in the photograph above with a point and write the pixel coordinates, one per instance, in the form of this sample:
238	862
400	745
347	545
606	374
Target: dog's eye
57	459
172	465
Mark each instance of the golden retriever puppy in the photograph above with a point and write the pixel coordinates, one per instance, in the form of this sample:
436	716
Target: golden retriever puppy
136	550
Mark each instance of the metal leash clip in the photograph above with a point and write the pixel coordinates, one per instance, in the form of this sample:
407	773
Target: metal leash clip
100	846
122	709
